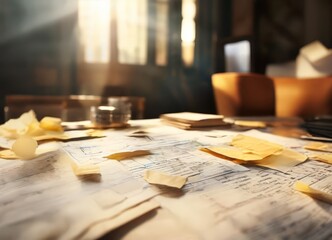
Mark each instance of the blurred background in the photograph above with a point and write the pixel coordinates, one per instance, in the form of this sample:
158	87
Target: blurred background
163	50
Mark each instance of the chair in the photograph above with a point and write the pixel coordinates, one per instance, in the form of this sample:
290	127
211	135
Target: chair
305	97
243	94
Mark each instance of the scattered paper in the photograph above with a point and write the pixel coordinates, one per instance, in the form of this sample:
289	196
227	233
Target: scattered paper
126	155
98	229
233	153
8	154
95	133
88	169
51	124
139	134
250	124
319	146
160	178
320	190
191	120
247	149
327	158
283	161
27	124
256	146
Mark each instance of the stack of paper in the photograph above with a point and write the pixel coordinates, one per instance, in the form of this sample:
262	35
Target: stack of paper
247	149
314	60
190	120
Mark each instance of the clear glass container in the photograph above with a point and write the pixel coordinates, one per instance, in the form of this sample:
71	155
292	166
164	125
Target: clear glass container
116	114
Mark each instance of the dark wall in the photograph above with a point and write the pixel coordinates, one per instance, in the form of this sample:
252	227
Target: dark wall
37	45
281	27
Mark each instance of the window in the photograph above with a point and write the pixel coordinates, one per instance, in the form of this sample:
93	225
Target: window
94	19
125	26
238	56
188	31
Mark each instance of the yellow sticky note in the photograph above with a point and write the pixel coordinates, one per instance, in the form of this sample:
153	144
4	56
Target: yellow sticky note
51	124
234	153
319	146
51	136
250	124
8	154
95	133
255	145
86	169
315	193
327	158
19	126
126	155
283	161
160	178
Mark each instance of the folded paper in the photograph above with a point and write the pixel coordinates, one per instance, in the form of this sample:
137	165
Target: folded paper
247	149
255	145
319	146
327	158
160	178
86	169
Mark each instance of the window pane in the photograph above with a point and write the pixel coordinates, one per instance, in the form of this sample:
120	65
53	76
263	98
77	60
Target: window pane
132	31
161	32
188	31
237	56
94	28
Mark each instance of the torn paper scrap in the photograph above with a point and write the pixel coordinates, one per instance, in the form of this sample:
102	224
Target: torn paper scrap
320	190
160	178
283	161
68	136
98	229
8	154
326	157
41	150
139	133
255	145
233	153
19	126
51	124
95	133
27	124
85	169
250	124
247	149
319	146
130	154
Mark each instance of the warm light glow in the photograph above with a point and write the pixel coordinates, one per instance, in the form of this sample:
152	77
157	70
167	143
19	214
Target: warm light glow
94	18
188	8
188	53
161	32
132	18
188	31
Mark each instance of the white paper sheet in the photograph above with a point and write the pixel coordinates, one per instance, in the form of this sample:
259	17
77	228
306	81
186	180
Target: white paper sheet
221	200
